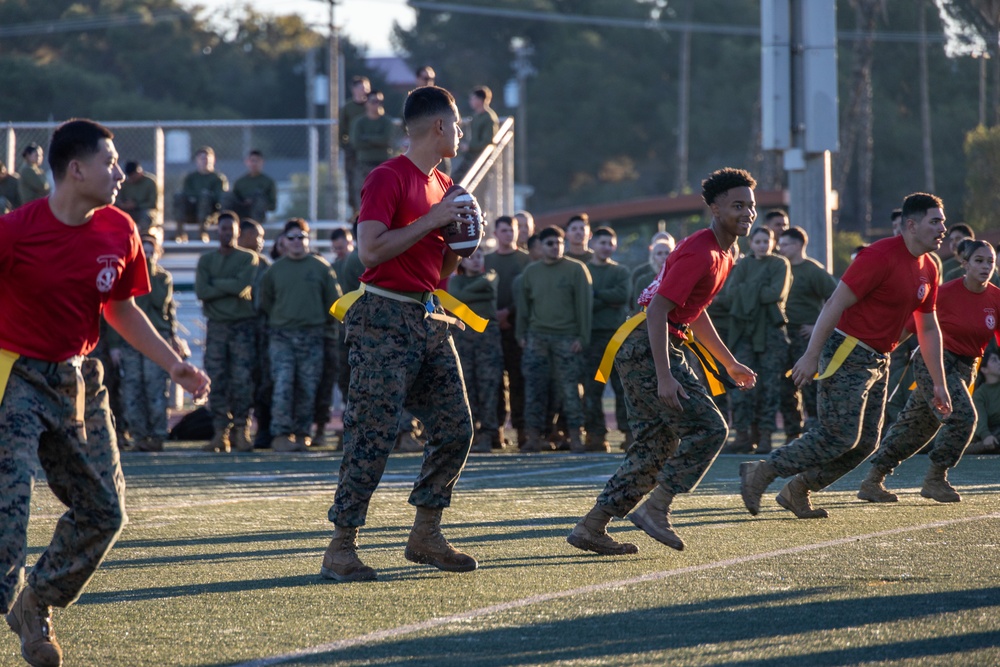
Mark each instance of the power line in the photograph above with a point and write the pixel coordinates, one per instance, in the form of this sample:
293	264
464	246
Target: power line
87	24
652	24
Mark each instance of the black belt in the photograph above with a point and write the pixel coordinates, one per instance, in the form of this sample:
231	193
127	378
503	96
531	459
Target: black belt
50	367
967	360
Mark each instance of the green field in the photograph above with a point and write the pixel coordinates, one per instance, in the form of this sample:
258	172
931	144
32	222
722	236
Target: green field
219	565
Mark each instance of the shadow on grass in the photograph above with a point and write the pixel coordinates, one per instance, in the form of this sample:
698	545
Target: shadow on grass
707	627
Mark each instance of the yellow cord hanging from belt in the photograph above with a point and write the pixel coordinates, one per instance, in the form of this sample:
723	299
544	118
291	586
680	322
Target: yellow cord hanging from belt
840	354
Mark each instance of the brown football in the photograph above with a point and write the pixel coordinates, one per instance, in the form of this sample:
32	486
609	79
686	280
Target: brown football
463	237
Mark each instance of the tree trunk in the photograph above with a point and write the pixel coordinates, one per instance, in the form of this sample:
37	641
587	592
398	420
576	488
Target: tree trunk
925	102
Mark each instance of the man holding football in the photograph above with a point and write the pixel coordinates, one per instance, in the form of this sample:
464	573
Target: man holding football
401	351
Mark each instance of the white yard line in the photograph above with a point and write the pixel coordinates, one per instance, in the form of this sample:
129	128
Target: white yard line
430	624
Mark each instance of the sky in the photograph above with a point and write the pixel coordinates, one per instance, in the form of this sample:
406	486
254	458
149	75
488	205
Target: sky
364	22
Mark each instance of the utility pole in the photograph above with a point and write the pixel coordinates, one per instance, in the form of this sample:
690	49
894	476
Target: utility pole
333	202
522	70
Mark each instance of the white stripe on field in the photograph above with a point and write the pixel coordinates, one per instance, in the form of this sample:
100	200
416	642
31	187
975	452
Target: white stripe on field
432	623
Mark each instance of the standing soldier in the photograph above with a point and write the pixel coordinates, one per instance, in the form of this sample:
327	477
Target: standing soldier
555	307
64	260
296	293
254	193
224	283
850	345
252	238
677	428
354	109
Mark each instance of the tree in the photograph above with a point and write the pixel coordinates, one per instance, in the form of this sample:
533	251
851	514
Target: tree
972	28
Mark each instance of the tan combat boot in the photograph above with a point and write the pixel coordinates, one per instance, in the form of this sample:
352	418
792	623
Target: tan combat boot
794	497
32	622
936	486
754	478
240	440
219	443
873	488
653	517
428	546
591	535
341	562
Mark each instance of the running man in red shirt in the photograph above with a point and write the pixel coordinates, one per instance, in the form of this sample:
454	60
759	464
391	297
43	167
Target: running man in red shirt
850	344
967	310
401	350
677	427
65	260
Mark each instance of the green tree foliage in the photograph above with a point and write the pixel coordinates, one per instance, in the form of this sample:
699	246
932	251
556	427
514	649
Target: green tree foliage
982	150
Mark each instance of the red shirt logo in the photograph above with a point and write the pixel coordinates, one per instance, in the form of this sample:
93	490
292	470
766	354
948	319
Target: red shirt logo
106	276
991	318
922	290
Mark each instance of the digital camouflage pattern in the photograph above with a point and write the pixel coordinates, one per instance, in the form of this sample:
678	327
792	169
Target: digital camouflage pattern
400	357
850	404
593	394
481	355
548	356
672	449
82	467
760	405
229	361
145	395
322	410
296	357
918	423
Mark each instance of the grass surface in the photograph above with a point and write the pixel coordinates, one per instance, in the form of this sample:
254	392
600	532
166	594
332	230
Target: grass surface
220	566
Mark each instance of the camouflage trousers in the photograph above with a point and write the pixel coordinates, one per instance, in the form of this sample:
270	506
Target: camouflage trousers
482	366
796	403
261	378
400	358
850	404
760	405
919	424
323	405
296	357
145	394
43	414
593	391
510	400
672	449
229	362
900	378
546	356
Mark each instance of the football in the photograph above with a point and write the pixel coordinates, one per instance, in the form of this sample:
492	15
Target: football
463	237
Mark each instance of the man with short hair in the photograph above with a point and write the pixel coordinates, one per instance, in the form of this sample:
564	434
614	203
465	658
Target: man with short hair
555	309
402	354
482	128
577	236
351	111
952	267
296	293
252	238
200	196
850	344
777	221
63	261
138	196
224	284
32	183
678	429
811	286
525	228
254	193
371	138
612	287
508	261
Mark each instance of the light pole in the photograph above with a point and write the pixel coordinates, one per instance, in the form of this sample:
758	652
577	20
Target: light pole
333	106
522	70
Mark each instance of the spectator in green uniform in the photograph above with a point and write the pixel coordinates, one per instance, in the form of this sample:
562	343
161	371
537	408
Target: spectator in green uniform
252	238
986	398
555	308
254	193
952	268
611	294
32	183
138	196
660	248
296	293
200	196
348	267
525	228
482	127
10	197
371	136
351	111
577	237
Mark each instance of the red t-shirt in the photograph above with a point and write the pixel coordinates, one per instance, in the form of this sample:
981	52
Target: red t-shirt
396	193
890	284
691	277
968	320
55	279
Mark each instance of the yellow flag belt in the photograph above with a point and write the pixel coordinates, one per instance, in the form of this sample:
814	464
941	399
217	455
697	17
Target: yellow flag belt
450	303
7	359
717	377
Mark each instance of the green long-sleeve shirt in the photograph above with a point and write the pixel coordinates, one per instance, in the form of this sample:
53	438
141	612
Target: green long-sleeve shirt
298	293
756	291
372	138
482	129
477	292
349	271
811	286
612	288
31	184
508	266
142	192
195	183
224	283
555	299
348	114
249	187
986	398
158	305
